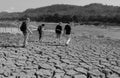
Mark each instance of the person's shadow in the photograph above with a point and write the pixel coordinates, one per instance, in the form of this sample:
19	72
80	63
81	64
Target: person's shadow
55	44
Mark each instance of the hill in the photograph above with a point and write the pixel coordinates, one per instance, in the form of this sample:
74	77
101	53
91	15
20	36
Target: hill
64	12
63	9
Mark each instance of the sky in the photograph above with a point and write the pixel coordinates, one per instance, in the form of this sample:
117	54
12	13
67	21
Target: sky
22	5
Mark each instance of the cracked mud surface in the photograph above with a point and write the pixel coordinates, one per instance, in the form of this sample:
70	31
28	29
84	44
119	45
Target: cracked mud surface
85	57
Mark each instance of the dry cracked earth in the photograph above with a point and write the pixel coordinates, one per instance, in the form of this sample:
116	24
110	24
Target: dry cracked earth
87	56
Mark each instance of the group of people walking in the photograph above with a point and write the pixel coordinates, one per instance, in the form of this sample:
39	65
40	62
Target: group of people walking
58	30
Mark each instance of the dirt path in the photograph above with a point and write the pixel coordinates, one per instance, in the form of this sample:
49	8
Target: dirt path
85	57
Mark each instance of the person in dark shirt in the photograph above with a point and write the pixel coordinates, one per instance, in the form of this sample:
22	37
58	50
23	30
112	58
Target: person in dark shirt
67	32
58	31
25	30
40	31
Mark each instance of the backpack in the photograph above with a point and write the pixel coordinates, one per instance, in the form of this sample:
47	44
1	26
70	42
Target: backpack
39	28
23	27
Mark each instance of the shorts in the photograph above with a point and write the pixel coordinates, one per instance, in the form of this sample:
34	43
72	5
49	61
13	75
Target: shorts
58	32
67	33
